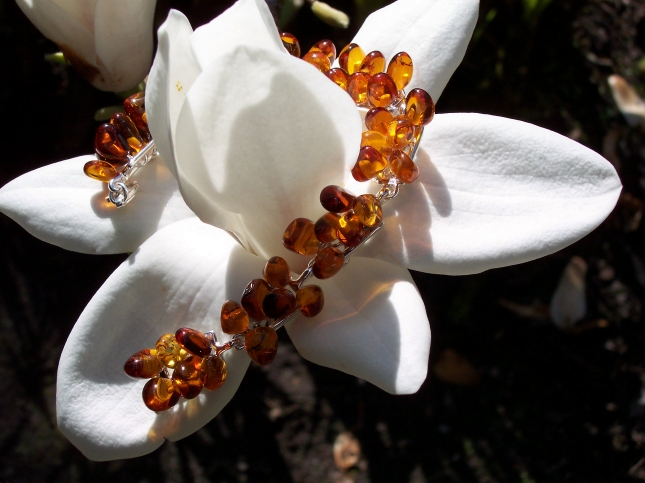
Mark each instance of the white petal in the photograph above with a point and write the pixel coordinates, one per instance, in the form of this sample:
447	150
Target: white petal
179	278
434	32
62	206
255	148
494	192
373	326
247	22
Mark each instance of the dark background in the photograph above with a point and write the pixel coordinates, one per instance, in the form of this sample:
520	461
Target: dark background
539	404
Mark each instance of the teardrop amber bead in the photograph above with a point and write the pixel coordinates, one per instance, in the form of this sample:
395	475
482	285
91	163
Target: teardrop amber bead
419	107
159	394
326	228
336	199
373	63
378	141
129	132
310	300
378	119
344	61
300	237
318	59
193	341
143	364
110	145
400	69
214	370
328	262
339	76
169	352
279	303
290	43
135	108
403	167
368	210
188	377
233	318
277	272
351	232
381	90
253	297
355	56
100	170
369	164
400	133
261	344
327	47
357	87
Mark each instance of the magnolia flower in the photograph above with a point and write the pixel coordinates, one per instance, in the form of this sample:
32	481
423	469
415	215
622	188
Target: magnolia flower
109	42
252	135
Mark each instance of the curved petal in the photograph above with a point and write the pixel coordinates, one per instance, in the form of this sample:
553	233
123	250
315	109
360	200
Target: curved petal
434	32
374	326
255	148
494	192
62	206
179	278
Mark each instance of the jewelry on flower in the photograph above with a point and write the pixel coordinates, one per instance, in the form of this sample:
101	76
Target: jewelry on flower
183	363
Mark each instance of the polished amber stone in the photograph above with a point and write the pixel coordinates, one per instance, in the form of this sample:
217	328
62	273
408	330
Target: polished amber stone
327	47
419	107
326	228
188	377
214	370
233	318
160	394
99	169
336	199
261	344
373	63
381	90
300	237
368	210
169	352
369	164
378	119
339	76
403	167
144	364
129	132
378	141
279	303
351	232
110	145
357	87
328	262
253	297
135	108
355	57
310	300
277	272
318	59
343	57
193	341
400	133
400	69
290	43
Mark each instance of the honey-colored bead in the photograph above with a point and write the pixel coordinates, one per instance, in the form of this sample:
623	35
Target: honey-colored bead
290	43
128	130
318	59
400	69
169	352
326	228
350	231
369	164
419	107
355	57
336	199
310	300
328	263
299	237
160	394
193	341
278	303
233	318
143	364
400	133
378	119
188	377
339	76
135	108
357	87
100	170
381	90
344	56
368	210
403	167
253	297
378	141
277	272
327	47
110	145
373	63
261	344
214	370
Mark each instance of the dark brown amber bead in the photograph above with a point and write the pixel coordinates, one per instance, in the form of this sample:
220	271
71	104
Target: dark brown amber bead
381	90
144	364
277	272
351	232
357	87
135	108
403	167
110	145
336	199
310	300
290	43
261	344
169	352
188	377
318	59
339	76
193	341
378	119
160	394
328	262
234	318
358	174
326	228
299	237
279	303
343	57
327	47
214	370
370	163
400	69
378	141
419	107
368	210
99	169
400	133
128	130
253	297
373	63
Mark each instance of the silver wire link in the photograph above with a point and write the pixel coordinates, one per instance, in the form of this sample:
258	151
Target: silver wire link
120	191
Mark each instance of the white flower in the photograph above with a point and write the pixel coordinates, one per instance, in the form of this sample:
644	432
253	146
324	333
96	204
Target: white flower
252	135
108	41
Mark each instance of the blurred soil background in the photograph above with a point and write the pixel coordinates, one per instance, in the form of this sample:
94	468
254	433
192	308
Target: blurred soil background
509	398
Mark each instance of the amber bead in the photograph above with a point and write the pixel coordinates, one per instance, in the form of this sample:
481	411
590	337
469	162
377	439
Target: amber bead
253	297
328	262
214	370
290	43
419	107
403	167
310	300
233	318
378	141
160	394
299	237
278	303
188	377
381	90
128	130
193	341
373	63
144	364
326	228
400	133
339	76
343	57
357	87
110	145
369	164
378	119
327	47
135	108
99	169
318	59
400	69
169	352
350	231
336	199
368	210
261	344
355	57
277	272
